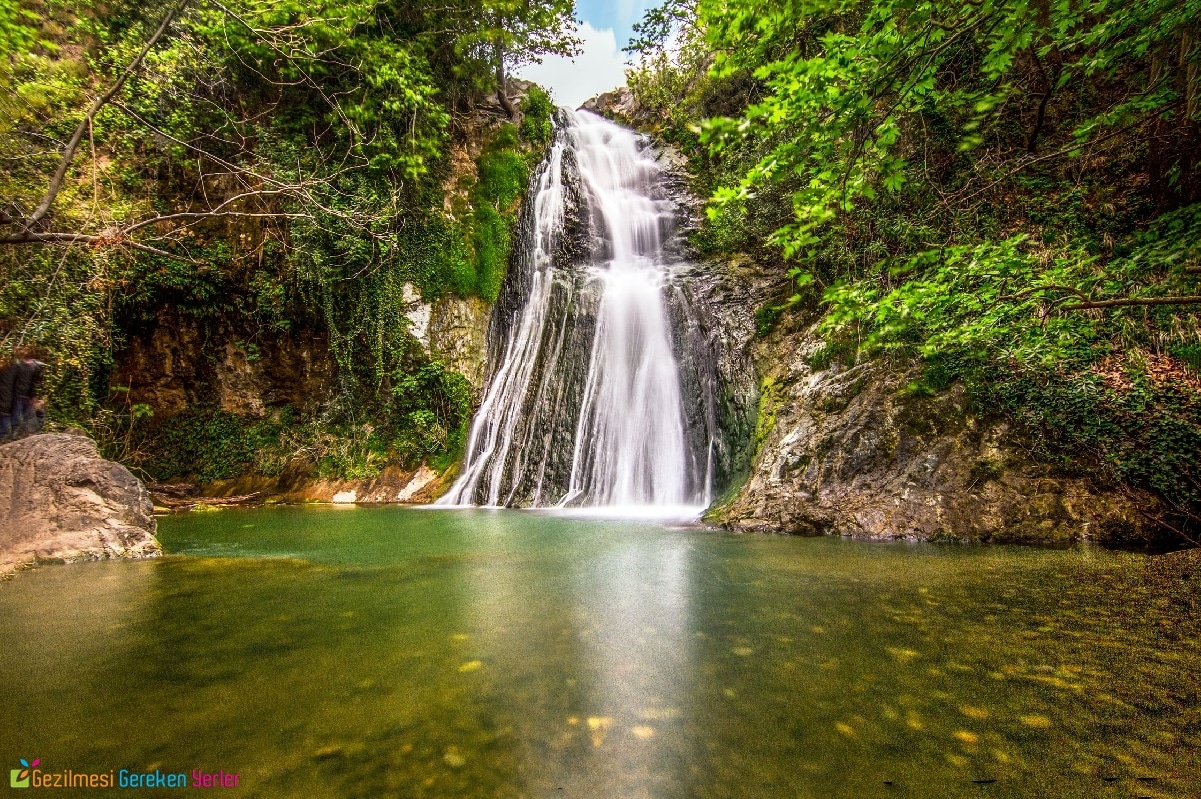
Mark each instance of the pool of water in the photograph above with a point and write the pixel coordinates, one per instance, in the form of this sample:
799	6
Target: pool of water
373	652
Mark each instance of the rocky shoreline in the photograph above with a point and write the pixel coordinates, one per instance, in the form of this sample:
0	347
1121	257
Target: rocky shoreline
393	485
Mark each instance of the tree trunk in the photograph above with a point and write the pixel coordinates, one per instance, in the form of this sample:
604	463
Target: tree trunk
502	95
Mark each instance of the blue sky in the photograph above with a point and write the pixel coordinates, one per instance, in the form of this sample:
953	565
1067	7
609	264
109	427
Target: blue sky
607	26
618	16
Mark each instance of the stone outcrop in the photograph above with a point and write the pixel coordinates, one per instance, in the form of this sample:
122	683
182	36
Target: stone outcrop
458	336
174	362
620	106
61	502
850	451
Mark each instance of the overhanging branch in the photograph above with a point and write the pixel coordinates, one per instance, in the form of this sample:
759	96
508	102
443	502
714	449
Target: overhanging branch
56	182
1128	301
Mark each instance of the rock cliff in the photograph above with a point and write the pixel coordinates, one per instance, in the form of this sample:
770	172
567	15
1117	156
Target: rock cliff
849	450
61	502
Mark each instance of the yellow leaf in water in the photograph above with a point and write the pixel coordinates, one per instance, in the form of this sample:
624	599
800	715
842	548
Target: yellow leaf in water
573	720
659	713
956	760
966	737
1041	722
973	712
845	729
743	651
643	732
599	725
901	654
458	637
471	665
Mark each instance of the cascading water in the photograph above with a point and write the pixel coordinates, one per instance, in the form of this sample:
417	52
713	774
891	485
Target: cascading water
584	404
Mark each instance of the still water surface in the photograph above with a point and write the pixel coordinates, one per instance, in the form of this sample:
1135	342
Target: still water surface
372	652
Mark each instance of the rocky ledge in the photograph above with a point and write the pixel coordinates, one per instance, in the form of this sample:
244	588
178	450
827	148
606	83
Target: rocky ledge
392	485
850	451
61	502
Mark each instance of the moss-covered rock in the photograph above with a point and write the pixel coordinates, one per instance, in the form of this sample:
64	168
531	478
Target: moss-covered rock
852	450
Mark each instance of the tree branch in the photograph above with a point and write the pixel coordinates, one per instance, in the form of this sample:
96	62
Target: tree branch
1046	287
1193	300
96	240
68	155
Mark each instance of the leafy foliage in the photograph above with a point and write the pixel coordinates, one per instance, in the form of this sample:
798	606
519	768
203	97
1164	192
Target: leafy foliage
269	167
1002	192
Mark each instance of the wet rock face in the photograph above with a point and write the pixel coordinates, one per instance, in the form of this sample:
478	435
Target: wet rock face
710	312
61	502
848	451
712	306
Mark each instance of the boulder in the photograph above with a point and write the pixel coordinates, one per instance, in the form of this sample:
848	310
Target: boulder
61	502
619	105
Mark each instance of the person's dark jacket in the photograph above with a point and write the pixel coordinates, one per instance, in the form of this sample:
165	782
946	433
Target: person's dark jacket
8	395
25	377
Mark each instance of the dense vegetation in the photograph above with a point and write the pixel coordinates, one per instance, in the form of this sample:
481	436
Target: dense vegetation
999	192
259	169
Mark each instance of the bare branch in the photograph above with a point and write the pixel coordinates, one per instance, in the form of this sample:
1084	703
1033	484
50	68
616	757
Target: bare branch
1193	300
96	240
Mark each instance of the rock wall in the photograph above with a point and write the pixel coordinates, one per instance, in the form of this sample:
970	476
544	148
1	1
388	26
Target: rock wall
458	336
61	502
174	363
849	451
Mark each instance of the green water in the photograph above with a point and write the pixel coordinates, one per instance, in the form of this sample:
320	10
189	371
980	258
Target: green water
327	652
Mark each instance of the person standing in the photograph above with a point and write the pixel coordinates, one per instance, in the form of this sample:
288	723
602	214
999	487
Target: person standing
8	374
27	371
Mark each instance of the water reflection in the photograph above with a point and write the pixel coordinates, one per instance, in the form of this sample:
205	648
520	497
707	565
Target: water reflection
442	654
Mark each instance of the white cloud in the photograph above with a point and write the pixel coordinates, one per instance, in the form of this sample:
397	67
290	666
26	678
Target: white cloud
600	66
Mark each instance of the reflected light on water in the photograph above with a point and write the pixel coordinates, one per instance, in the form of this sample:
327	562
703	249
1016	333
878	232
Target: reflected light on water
395	652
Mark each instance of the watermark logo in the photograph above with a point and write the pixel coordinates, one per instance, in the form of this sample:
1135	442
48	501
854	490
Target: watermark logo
30	776
19	777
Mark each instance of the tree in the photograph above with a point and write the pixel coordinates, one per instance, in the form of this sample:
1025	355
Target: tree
506	34
358	94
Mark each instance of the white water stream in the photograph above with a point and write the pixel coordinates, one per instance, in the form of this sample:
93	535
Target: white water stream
629	448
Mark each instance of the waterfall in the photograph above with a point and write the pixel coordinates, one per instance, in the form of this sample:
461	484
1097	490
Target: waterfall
583	406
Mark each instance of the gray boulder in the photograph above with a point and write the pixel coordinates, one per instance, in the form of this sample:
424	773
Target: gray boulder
61	502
